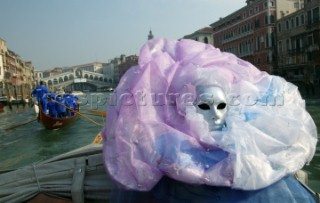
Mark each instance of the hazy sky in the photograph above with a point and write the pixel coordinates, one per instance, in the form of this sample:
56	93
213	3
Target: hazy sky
58	33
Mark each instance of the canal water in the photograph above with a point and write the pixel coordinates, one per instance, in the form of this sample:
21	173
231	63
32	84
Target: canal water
32	143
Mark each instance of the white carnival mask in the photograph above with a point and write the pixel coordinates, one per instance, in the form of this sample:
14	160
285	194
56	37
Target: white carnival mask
212	105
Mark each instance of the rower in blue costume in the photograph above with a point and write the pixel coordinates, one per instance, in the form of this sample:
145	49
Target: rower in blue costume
69	104
75	99
60	106
39	92
52	105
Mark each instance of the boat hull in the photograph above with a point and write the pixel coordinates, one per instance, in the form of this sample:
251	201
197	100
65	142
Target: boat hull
55	123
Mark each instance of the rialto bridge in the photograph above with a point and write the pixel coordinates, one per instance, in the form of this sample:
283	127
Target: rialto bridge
79	80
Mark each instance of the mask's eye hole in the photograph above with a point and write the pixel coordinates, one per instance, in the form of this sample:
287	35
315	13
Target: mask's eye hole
204	106
221	106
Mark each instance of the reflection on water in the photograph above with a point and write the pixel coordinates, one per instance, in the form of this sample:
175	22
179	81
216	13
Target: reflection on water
32	143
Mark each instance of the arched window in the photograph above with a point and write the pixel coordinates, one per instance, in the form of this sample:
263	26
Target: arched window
86	76
206	40
60	80
279	27
66	78
50	82
91	77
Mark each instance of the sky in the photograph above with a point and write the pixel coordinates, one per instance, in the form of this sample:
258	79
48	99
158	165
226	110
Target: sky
61	33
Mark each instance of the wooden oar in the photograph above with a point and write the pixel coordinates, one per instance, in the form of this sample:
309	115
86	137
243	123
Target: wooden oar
103	113
98	139
86	117
16	126
93	114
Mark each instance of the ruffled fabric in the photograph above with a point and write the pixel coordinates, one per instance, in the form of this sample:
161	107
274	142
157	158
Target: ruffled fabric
153	129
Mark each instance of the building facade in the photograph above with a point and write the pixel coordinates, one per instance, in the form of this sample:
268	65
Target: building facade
15	73
203	35
312	8
129	61
298	42
249	32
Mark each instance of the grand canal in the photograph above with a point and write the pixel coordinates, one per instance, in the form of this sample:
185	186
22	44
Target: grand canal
32	143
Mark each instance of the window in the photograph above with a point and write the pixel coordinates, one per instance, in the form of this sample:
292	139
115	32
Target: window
297	21
287	45
257	23
279	27
272	19
302	19
292	23
266	19
297	44
310	40
315	13
280	47
309	16
287	24
206	40
293	44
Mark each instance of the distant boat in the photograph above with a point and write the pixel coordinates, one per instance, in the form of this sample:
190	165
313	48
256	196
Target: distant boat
56	123
110	89
78	93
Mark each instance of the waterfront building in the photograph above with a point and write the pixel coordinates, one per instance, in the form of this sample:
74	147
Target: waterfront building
15	73
298	42
312	8
3	50
202	35
129	61
292	46
249	32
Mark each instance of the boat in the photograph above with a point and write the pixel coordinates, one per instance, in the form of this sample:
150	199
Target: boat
78	93
56	123
76	176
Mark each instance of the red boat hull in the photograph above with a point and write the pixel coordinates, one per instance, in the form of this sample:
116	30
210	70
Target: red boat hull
55	123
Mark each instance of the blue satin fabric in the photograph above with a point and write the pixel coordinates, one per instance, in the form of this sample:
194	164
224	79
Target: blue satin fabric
287	190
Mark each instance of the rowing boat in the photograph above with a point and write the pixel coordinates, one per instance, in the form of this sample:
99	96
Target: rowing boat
55	123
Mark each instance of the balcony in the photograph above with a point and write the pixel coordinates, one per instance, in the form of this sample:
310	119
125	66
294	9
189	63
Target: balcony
242	35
